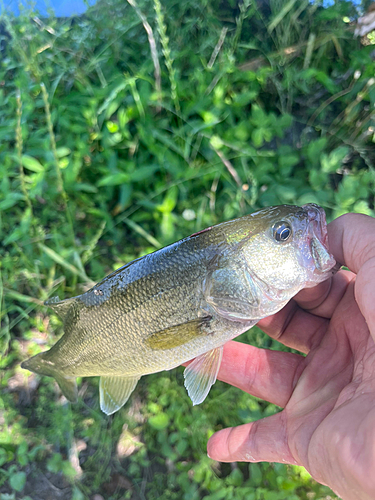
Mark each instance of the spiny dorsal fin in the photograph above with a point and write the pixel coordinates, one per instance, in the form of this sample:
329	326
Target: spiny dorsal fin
177	335
115	391
201	374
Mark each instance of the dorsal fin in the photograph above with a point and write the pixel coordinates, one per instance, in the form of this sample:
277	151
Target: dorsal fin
61	307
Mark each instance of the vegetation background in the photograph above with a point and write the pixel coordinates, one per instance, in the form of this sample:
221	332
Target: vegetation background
122	131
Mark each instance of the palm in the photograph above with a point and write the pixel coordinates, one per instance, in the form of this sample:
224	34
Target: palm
328	421
330	401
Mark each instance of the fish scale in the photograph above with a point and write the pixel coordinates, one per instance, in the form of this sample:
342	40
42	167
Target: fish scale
185	301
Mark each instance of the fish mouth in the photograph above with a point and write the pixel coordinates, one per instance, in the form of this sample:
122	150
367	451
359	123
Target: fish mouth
318	238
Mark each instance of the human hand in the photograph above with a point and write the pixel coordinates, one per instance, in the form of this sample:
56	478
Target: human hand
328	421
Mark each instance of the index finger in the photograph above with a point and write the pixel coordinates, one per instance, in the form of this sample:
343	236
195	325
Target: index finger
352	242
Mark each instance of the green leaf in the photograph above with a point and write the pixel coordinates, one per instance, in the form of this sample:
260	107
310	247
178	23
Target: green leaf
255	473
114	179
3	456
159	422
235	478
83	186
17	481
22	298
60	260
54	463
63	151
142	173
216	142
325	80
314	150
287	162
32	163
169	201
280	15
332	162
257	137
245	97
258	115
286	192
67	469
10	200
112	127
77	494
139	229
362	207
9	496
285	121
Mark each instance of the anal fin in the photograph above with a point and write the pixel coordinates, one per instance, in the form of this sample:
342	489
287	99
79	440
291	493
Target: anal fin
201	374
115	391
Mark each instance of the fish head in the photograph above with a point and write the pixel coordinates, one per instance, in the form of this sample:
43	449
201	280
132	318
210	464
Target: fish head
287	248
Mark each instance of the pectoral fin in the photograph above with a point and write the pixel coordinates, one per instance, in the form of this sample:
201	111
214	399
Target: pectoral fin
233	294
201	374
115	391
177	335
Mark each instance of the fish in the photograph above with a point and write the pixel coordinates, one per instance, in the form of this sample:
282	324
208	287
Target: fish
184	302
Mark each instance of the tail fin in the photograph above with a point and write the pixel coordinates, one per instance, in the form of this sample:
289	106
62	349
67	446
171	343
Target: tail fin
38	364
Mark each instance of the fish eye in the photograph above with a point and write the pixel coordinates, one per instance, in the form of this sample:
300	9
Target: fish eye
282	231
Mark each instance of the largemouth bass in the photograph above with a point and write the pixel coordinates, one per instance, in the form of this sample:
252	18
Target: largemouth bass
185	301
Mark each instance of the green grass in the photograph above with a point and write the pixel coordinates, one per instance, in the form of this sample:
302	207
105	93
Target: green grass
121	132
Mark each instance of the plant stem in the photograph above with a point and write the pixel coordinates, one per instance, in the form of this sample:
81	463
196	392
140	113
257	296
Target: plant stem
19	146
152	43
60	183
162	30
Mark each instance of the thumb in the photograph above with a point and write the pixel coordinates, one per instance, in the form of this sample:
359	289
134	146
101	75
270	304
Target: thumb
365	293
261	441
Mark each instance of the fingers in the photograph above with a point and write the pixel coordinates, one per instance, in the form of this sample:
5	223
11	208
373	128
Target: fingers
294	327
261	441
352	240
365	293
326	304
311	298
269	375
302	329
